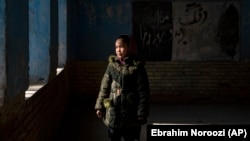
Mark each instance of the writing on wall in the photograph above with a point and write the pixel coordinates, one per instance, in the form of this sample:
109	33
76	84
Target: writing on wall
152	28
206	31
194	14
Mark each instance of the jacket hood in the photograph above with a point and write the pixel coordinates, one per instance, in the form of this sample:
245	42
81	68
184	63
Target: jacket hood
128	60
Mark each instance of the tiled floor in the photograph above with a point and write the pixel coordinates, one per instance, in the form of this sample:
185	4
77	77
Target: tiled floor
81	124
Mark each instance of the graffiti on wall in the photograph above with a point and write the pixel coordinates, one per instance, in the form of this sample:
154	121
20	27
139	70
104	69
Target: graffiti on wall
152	28
194	14
206	31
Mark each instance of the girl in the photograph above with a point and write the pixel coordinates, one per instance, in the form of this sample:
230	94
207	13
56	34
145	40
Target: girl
123	100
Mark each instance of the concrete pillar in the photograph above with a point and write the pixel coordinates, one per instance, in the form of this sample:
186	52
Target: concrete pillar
53	54
2	51
62	33
17	47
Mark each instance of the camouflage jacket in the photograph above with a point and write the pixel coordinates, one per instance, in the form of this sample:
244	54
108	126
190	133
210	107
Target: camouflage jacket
124	92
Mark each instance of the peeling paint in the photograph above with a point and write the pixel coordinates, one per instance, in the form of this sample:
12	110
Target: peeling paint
109	11
90	11
121	13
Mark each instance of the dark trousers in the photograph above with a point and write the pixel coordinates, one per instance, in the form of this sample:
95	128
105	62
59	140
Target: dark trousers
127	133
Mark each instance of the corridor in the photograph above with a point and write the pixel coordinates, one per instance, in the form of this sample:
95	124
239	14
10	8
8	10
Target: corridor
53	55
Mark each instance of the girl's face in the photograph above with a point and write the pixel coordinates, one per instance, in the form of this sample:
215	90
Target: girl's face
121	48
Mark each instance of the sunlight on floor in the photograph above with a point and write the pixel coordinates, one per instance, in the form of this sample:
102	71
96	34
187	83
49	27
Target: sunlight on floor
35	87
58	70
32	90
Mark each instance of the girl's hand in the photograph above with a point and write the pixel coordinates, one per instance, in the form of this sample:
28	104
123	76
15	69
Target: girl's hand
99	113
